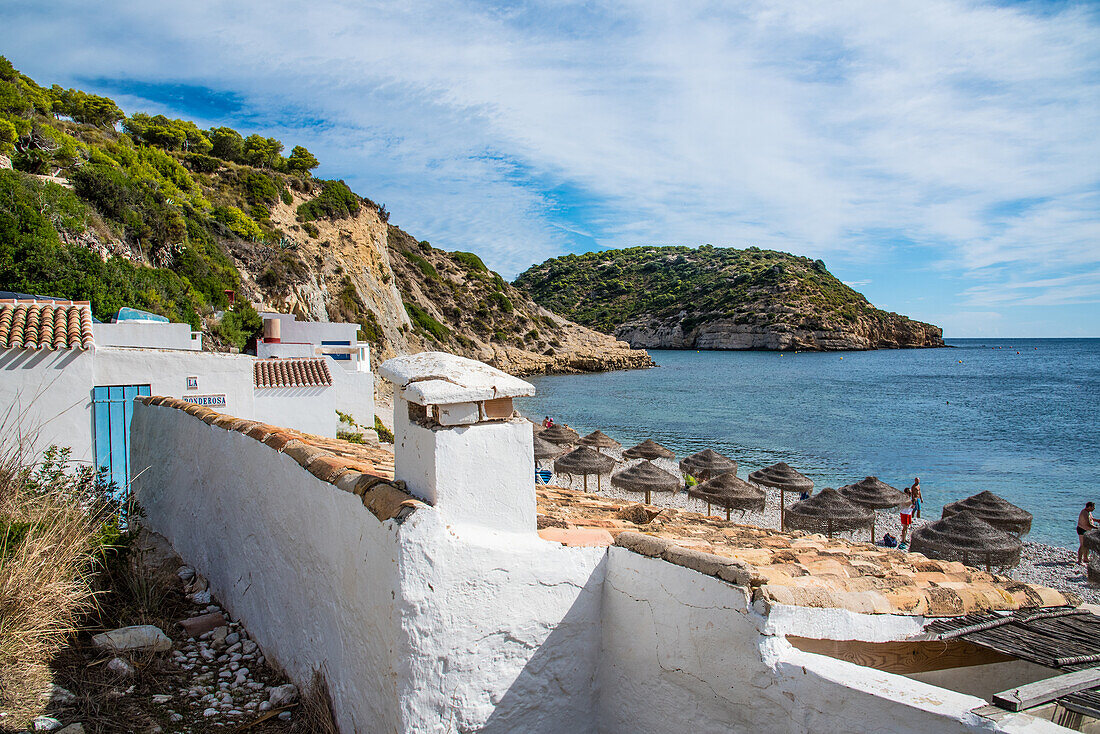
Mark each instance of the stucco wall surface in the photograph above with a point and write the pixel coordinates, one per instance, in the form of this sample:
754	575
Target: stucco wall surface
681	649
308	409
426	626
311	572
147	335
46	398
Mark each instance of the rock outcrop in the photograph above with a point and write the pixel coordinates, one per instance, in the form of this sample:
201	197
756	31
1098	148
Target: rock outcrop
899	333
718	298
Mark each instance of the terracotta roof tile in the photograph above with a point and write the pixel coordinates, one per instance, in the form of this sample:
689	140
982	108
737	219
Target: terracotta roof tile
45	325
362	470
292	372
806	570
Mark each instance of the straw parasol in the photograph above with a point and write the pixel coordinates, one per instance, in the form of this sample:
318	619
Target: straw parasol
584	461
646	477
828	512
559	435
707	464
785	479
966	537
599	440
648	449
546	450
999	513
727	490
873	494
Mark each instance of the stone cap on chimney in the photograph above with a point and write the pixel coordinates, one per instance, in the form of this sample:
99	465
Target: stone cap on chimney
440	378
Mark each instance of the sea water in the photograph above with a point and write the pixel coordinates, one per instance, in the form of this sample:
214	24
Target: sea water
1019	417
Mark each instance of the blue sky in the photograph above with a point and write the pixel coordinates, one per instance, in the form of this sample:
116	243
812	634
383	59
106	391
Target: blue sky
942	157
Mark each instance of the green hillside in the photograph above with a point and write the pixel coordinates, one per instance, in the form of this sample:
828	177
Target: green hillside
661	289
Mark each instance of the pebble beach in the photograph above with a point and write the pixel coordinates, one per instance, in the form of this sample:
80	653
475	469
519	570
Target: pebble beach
1042	564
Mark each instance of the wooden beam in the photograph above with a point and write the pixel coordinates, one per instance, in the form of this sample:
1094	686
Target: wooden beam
1044	691
902	657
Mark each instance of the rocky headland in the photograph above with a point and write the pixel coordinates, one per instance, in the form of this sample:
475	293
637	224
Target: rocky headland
718	298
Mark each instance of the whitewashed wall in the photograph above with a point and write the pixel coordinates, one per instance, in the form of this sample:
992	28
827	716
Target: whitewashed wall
426	626
309	409
167	373
151	335
682	650
47	395
354	393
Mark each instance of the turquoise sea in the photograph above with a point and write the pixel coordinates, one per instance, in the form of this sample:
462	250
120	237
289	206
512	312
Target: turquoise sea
1019	417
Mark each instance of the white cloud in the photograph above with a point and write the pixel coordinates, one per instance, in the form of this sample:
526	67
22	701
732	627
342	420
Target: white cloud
828	129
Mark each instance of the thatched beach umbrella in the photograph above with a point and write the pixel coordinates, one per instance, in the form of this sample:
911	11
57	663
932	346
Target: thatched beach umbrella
782	477
546	450
599	440
873	494
707	464
559	435
967	538
585	461
998	512
648	449
828	512
645	476
731	492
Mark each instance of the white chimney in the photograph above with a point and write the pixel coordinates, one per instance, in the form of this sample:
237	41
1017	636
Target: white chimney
456	444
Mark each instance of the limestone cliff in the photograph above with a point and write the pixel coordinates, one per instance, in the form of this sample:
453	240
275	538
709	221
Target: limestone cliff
718	298
408	296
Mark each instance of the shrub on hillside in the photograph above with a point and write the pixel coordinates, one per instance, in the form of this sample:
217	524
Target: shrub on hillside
470	261
336	201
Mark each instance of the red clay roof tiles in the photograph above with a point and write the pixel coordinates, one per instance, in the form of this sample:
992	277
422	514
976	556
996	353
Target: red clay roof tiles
293	372
45	325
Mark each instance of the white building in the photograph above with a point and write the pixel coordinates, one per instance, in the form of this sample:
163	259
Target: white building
67	380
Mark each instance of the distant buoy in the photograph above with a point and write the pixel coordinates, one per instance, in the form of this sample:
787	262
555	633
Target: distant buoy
1017	352
960	361
842	357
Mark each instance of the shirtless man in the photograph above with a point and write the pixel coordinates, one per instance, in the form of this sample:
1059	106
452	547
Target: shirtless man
1085	523
914	492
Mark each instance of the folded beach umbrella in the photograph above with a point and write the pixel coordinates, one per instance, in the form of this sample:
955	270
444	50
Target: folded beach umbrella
782	477
648	449
828	512
546	450
584	461
707	464
646	477
999	513
1092	542
967	538
873	494
559	435
599	440
727	490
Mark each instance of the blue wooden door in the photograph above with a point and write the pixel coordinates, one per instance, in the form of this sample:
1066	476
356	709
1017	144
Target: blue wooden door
112	409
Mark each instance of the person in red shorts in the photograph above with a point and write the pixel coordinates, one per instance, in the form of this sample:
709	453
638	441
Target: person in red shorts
906	516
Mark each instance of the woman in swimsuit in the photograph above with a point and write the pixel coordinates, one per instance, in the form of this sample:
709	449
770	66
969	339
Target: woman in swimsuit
906	516
1085	523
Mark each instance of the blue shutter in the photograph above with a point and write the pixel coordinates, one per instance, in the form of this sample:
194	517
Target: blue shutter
113	410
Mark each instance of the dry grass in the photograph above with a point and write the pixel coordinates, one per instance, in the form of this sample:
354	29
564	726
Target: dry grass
315	715
50	527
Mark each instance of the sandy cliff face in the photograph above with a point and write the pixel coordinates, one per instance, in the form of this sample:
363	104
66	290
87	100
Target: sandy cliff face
411	297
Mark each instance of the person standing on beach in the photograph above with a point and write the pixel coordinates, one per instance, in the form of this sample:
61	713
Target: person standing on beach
1085	523
914	492
906	516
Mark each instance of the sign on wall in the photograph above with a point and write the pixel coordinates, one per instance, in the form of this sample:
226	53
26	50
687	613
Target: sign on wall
193	383
211	401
